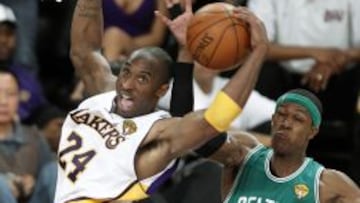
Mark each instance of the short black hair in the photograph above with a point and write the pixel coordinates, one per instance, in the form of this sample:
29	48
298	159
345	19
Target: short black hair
158	54
116	66
44	114
9	24
13	74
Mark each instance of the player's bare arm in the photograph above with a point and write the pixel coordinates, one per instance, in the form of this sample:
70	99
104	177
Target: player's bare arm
189	132
233	151
193	128
160	147
86	35
337	187
231	156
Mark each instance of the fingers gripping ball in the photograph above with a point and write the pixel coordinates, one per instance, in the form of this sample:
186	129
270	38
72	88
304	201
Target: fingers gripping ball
215	38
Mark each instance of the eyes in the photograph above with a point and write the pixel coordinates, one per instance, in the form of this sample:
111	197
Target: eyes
9	93
142	77
296	116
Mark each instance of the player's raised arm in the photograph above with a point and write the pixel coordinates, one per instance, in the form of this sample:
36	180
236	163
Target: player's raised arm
182	98
243	81
198	127
86	35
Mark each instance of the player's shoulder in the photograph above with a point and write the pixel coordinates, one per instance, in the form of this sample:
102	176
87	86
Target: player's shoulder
332	175
333	180
335	184
103	100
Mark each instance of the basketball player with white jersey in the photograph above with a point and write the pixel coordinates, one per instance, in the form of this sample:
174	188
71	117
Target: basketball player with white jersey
122	148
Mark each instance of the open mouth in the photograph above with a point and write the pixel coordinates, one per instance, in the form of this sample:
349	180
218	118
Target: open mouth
125	102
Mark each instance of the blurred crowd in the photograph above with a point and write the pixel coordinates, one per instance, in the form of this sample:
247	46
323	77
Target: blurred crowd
318	51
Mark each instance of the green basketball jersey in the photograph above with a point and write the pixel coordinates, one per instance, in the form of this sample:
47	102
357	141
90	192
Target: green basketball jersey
255	183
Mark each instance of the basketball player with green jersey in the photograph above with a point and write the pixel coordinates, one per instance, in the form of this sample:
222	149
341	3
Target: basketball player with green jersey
254	173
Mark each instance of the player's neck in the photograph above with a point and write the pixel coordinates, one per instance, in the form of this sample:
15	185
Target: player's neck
282	166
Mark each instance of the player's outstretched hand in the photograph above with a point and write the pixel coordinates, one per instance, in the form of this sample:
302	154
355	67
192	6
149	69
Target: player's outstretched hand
178	25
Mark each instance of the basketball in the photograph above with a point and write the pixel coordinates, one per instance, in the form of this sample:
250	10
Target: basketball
215	38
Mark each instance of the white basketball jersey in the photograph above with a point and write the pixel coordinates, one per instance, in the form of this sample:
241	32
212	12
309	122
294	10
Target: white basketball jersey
97	151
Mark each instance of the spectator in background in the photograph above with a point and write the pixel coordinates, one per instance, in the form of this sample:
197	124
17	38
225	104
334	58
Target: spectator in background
31	95
49	122
26	12
317	44
131	24
23	151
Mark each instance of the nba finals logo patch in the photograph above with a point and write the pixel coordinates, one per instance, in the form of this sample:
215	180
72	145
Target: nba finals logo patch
301	190
129	127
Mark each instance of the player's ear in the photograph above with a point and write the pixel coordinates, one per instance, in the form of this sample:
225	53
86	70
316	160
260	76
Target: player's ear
272	119
314	131
162	90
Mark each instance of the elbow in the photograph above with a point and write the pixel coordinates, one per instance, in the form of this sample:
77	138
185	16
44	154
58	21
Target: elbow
75	53
76	58
79	49
79	54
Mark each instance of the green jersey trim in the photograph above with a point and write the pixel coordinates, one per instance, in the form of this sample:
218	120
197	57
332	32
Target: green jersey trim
283	179
317	184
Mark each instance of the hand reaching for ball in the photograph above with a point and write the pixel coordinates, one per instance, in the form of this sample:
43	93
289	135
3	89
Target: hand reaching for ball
257	29
178	25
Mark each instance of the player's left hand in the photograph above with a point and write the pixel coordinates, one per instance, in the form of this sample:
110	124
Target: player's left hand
178	25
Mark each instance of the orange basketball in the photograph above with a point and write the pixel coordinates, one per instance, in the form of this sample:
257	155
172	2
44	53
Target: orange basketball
215	38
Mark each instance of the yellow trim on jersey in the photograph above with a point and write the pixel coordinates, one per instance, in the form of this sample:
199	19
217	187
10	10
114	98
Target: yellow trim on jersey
136	192
222	112
85	201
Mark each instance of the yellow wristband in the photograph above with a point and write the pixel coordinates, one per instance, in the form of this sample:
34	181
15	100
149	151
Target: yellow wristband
222	112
